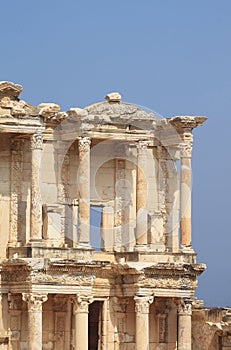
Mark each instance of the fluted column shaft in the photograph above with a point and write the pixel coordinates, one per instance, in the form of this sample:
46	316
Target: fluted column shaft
184	325
35	318
141	195
185	195
84	192
81	310
36	200
142	321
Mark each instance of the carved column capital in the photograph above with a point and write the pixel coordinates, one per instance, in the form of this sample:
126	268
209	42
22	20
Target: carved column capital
84	144
186	150
81	303
184	307
34	301
142	303
36	141
142	147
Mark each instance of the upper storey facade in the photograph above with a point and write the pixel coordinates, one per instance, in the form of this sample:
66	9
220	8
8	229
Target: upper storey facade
114	158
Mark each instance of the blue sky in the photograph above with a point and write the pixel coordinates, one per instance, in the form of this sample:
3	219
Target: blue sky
171	56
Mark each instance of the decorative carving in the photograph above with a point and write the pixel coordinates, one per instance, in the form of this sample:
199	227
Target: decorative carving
84	144
185	307
81	303
142	147
186	150
163	328
16	178
37	141
34	301
169	282
62	278
142	303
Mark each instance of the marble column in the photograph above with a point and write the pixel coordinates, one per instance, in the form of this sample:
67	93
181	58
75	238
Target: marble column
184	325
81	310
35	301
36	200
141	196
185	195
84	192
142	321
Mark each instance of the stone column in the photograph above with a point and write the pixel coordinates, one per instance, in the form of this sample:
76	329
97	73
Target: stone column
15	197
36	200
185	195
142	321
35	301
141	196
184	325
81	311
84	192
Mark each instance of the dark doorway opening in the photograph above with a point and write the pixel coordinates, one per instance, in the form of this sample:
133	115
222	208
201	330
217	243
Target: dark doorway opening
94	325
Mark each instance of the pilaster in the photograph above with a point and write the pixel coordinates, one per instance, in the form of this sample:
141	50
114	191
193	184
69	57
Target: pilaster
36	200
83	183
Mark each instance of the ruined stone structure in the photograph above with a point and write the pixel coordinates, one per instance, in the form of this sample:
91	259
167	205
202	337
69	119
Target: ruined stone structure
125	282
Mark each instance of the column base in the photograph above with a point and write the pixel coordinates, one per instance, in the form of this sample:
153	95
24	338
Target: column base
82	245
36	243
141	248
187	249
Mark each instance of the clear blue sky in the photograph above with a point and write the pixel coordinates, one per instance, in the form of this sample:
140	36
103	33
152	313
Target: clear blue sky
171	56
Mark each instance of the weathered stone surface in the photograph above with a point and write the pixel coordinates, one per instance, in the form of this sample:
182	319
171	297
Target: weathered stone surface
64	274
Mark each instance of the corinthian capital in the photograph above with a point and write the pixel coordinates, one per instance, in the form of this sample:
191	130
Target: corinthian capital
186	150
185	307
34	300
142	303
142	147
84	144
37	141
81	303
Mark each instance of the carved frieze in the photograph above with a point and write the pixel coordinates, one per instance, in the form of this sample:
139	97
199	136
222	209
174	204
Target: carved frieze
62	278
169	282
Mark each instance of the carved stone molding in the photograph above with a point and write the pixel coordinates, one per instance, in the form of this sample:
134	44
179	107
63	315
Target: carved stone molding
84	144
37	141
184	307
34	301
142	303
186	150
172	282
81	303
16	178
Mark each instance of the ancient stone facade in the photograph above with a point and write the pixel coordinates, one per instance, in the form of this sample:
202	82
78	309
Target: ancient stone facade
126	281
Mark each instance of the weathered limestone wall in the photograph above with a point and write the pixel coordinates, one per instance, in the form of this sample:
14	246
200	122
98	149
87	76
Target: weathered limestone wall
5	170
211	329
